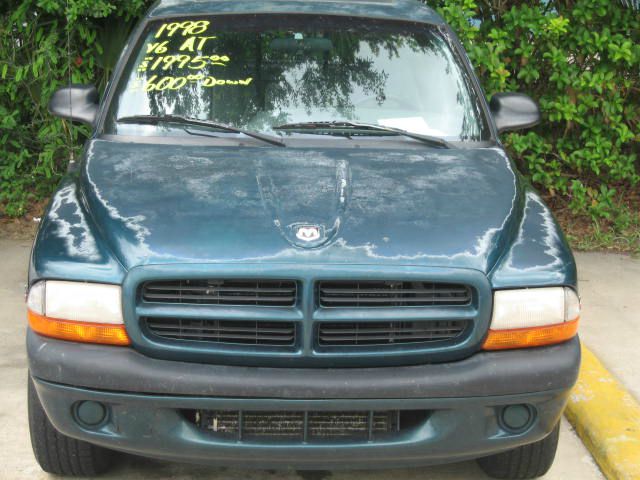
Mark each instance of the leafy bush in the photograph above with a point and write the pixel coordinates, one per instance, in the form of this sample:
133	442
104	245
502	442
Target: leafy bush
580	59
34	62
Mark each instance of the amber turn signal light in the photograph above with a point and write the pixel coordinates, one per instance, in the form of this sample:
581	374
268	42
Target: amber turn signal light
531	337
102	333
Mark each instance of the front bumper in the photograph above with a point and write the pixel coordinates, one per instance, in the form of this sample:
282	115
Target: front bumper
464	400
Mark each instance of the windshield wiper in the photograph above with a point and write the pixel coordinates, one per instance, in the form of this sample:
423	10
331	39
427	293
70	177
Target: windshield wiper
196	122
352	126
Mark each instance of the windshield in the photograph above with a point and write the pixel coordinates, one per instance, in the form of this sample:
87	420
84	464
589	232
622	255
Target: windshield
260	72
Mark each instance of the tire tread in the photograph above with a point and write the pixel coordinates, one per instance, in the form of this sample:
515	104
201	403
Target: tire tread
525	462
58	454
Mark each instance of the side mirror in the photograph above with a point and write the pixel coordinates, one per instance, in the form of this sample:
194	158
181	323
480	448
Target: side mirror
514	111
78	103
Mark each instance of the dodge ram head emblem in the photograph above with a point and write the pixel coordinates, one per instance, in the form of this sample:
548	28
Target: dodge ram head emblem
308	233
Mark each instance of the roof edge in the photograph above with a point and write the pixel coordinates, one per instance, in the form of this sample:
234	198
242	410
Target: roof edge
406	10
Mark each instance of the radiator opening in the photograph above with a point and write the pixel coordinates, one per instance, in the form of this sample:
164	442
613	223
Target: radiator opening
230	332
306	426
389	334
238	292
387	293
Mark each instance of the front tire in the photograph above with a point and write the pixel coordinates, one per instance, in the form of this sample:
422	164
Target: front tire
529	461
58	454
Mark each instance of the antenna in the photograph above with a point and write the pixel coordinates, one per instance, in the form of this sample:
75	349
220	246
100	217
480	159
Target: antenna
69	125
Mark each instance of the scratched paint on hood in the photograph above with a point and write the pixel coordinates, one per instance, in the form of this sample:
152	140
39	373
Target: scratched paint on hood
431	207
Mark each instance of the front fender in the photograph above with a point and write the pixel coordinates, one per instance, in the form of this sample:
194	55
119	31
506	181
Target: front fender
68	245
539	255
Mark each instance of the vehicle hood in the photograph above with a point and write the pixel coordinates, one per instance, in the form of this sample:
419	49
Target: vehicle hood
159	204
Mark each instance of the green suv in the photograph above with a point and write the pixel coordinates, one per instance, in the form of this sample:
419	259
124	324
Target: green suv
294	240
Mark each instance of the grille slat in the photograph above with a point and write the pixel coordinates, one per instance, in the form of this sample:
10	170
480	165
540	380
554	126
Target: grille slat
272	334
160	326
405	291
328	331
217	289
387	301
218	298
270	293
231	338
388	333
374	338
369	293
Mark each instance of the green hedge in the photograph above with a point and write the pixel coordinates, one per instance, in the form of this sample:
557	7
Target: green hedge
34	62
579	58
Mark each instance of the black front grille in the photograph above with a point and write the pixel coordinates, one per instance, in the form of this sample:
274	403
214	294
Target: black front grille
314	426
368	293
346	334
242	332
269	293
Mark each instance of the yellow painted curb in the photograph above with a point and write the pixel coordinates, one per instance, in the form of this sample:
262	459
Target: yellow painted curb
607	419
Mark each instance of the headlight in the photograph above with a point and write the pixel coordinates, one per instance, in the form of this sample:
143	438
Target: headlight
81	312
533	318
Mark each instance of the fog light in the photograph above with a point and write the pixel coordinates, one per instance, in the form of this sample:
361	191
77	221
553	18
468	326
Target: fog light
91	413
516	418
